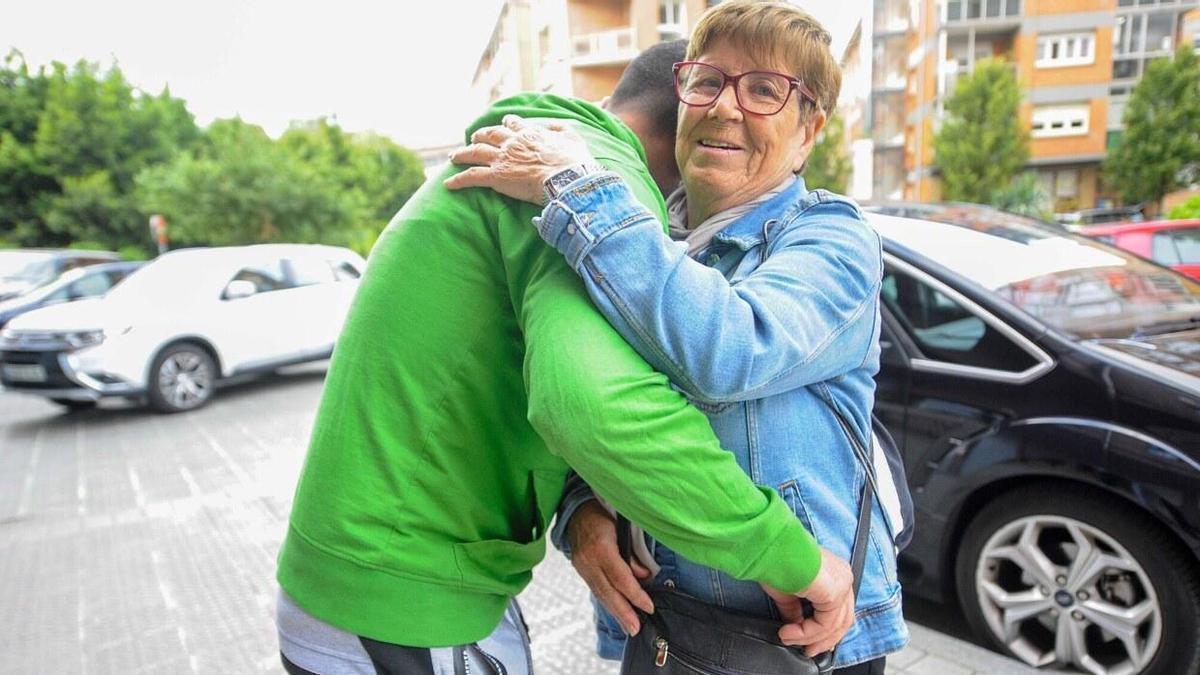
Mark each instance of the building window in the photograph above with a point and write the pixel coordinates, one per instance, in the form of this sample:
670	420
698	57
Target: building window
1072	49
960	10
672	20
1066	183
1160	31
670	12
1137	37
1064	120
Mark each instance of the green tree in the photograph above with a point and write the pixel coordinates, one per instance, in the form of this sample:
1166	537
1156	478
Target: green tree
71	142
1188	210
240	187
1159	150
1026	196
381	173
22	97
828	165
981	146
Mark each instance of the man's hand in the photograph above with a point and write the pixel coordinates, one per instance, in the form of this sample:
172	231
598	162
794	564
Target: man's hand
832	597
592	534
516	159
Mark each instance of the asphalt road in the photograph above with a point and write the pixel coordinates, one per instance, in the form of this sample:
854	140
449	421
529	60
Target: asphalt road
137	542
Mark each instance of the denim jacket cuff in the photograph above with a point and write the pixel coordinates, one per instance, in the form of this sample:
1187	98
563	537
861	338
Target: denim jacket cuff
566	510
587	211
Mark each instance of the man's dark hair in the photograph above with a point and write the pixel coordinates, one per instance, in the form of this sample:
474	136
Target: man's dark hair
648	85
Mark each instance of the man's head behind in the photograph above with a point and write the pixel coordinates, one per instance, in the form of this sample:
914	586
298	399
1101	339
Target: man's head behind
645	100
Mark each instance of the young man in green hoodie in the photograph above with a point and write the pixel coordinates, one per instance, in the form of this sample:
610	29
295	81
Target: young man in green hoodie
472	373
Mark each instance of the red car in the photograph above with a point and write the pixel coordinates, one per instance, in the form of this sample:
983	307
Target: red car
1171	243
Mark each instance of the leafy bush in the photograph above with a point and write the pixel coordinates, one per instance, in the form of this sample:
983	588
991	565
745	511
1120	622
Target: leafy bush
1186	211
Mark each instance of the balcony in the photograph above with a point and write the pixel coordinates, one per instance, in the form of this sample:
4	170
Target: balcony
603	48
982	12
952	71
891	16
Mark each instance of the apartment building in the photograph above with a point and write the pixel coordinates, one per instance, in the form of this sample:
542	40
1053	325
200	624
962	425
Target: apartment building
576	47
1076	61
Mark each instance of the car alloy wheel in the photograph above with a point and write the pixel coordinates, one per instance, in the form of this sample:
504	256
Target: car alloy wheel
1049	575
1070	578
183	379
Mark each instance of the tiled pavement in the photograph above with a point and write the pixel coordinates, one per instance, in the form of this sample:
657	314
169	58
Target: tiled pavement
137	543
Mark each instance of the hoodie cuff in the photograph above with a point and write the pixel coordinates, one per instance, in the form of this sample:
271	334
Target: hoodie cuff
587	211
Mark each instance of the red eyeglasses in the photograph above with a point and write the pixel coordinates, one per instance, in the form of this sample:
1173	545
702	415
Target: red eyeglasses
758	92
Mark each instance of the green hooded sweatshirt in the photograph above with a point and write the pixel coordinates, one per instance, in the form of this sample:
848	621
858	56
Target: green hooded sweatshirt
472	372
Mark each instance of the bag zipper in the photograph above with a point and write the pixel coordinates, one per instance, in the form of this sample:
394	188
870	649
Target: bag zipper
691	663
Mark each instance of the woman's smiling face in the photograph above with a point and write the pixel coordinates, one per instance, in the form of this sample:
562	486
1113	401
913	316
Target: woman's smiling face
727	156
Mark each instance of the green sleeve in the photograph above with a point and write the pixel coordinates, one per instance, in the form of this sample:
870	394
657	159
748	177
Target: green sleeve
637	441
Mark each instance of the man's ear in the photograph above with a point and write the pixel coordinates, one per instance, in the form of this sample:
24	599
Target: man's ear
604	102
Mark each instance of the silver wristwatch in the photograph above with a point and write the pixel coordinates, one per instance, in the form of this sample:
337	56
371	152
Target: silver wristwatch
555	184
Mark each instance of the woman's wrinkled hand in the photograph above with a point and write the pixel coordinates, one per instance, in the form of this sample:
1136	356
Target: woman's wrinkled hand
516	158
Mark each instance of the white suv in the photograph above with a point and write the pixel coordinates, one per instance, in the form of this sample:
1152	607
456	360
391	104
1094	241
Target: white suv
175	327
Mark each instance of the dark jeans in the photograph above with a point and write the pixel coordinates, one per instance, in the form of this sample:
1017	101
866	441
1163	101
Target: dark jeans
868	668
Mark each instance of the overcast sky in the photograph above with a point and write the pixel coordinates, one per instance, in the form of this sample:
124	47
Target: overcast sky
402	69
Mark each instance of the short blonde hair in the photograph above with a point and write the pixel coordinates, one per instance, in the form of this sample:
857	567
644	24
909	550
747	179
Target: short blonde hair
774	32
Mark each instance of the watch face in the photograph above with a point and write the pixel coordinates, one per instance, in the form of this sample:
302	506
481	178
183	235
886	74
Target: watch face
560	180
564	178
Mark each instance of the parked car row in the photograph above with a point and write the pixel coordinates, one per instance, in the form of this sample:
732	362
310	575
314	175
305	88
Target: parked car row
1171	243
169	332
78	284
24	270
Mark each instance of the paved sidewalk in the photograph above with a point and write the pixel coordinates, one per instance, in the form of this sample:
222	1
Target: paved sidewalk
132	542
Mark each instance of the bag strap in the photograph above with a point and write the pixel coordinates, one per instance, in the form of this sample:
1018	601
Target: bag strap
862	531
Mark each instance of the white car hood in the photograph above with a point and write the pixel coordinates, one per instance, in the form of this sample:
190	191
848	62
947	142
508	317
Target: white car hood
89	314
14	288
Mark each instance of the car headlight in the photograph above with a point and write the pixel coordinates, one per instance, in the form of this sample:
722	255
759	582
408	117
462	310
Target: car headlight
84	338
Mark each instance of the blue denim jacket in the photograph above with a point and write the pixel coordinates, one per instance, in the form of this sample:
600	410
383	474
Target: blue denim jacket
774	322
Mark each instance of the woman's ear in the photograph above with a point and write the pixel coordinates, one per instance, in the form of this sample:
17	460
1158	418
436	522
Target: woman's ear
812	127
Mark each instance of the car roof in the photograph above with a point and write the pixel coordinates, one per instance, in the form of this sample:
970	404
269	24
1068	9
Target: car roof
62	252
952	212
994	255
1144	226
256	250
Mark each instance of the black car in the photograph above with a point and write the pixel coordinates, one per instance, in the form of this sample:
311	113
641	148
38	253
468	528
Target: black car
22	270
1045	392
85	282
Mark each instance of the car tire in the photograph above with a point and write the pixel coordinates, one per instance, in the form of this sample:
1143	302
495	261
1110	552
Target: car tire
74	406
1110	585
182	377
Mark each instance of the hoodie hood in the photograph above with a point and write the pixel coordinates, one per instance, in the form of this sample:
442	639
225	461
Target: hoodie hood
607	136
549	106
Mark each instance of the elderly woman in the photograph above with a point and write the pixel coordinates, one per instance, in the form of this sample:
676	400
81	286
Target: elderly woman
767	316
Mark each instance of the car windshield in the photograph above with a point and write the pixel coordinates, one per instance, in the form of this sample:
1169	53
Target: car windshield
1077	285
22	266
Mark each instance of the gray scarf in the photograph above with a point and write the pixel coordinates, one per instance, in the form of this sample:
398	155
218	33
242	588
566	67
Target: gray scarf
699	237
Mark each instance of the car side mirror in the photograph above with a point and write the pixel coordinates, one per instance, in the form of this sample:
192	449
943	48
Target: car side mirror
240	288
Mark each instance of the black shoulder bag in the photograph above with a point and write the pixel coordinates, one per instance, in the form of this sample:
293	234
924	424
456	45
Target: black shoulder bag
687	636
